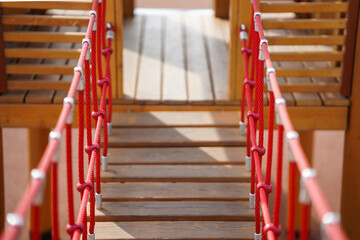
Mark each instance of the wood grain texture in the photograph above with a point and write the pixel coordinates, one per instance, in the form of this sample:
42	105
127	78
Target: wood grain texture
175	211
149	82
176	119
174	75
198	75
131	53
170	230
175	192
174	137
177	156
178	173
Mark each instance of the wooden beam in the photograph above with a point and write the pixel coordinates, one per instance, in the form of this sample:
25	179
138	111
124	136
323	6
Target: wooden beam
63	4
43	53
240	13
128	8
50	37
304	7
350	197
350	44
3	87
46	20
304	24
304	118
306	40
221	8
2	186
37	142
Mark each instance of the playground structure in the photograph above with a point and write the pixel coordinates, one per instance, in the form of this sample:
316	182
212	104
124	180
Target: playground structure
310	70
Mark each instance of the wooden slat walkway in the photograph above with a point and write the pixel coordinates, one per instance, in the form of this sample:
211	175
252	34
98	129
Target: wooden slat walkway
175	57
153	190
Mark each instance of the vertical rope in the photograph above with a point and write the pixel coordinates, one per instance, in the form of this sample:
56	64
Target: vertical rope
291	202
277	202
69	175
54	205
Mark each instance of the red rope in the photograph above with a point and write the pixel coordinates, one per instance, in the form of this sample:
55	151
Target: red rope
54	205
291	202
35	223
304	212
321	206
277	202
69	176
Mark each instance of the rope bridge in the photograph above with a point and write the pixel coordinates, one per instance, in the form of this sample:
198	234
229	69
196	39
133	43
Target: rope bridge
97	42
256	57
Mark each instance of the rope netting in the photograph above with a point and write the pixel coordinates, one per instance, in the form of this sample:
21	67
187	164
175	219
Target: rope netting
95	46
256	57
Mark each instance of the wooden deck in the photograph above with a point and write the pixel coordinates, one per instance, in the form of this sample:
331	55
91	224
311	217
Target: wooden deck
176	181
175	57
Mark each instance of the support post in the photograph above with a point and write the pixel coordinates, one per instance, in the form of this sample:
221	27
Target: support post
221	8
350	43
37	141
350	197
240	13
2	188
128	8
113	14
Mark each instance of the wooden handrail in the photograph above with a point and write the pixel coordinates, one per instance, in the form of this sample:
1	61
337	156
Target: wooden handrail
350	43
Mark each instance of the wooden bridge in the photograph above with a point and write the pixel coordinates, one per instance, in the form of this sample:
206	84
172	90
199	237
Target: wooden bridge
176	165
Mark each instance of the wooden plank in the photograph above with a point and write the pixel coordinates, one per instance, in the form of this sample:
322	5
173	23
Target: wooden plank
349	58
331	87
304	24
177	156
42	53
198	75
128	8
118	70
3	79
43	69
2	185
302	99
45	20
221	8
306	40
175	192
240	13
38	85
131	51
176	119
51	37
308	72
174	75
217	57
174	137
170	230
304	7
178	173
58	4
175	211
307	56
149	82
350	175
15	96
303	118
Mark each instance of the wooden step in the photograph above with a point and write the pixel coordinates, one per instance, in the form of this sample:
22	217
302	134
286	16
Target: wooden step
175	191
178	173
174	230
176	119
45	20
175	211
58	4
175	137
177	156
51	37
